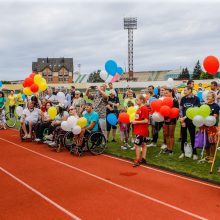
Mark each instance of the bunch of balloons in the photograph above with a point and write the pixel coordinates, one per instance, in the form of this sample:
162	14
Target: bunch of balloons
34	83
201	116
112	71
74	124
1	84
163	108
211	64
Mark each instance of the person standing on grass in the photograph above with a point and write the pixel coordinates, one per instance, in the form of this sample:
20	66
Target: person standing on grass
12	102
130	97
187	101
140	130
2	110
170	124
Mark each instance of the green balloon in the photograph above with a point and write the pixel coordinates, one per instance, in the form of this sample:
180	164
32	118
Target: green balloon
192	112
204	111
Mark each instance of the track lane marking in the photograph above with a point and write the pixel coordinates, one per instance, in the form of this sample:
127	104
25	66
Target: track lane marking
110	182
40	194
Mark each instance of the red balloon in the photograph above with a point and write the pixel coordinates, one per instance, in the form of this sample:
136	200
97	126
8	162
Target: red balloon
32	75
156	105
34	87
124	118
28	82
165	110
174	113
168	101
211	64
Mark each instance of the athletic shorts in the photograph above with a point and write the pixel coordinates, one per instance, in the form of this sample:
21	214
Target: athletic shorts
140	139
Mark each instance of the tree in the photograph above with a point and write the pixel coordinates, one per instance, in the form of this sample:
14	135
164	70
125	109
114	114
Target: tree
205	75
184	74
95	77
197	71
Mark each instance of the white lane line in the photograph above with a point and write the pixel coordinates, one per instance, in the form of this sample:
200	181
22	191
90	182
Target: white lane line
164	172
40	194
111	183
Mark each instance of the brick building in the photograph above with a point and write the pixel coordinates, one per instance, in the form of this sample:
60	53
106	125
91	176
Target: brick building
54	70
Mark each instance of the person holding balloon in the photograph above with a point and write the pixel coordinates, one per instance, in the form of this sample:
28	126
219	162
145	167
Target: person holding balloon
141	131
189	100
212	130
170	121
2	110
29	118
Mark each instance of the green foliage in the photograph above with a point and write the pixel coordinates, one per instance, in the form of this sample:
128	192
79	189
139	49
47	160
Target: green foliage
95	77
205	75
184	74
197	72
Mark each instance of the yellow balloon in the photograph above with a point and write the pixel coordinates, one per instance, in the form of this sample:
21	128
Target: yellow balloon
27	91
131	110
82	122
43	87
52	112
132	117
43	80
37	79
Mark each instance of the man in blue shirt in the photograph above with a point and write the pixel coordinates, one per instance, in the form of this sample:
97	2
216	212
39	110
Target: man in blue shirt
189	100
92	118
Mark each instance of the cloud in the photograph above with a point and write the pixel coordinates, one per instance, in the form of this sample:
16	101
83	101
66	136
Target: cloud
169	35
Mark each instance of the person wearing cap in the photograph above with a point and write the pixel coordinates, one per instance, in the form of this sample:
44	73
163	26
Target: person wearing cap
100	102
112	107
78	103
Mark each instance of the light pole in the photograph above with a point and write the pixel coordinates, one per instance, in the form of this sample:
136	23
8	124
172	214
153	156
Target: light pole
130	23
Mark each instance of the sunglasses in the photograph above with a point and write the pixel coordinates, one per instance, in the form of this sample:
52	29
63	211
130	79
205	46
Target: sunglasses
71	109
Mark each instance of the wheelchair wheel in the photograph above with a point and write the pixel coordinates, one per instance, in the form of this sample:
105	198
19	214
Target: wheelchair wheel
45	132
68	140
96	143
59	142
10	120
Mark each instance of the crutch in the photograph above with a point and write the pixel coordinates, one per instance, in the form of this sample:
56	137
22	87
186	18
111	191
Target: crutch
213	162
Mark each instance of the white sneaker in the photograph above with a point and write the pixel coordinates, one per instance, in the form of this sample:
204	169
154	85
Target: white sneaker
195	157
163	147
132	148
132	140
28	136
151	145
182	156
124	148
53	144
49	137
47	142
37	139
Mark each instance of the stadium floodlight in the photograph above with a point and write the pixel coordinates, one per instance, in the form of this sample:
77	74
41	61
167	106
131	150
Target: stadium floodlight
130	23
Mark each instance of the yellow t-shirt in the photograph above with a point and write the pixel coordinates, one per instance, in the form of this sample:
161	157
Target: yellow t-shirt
12	100
20	99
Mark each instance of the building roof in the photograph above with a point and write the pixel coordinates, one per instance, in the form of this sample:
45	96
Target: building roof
54	64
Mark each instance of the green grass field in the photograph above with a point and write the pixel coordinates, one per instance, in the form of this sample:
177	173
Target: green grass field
186	166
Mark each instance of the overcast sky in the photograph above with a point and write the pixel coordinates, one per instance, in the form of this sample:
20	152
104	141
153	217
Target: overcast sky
169	36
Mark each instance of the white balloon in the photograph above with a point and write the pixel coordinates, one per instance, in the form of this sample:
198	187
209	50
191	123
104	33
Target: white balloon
170	83
198	121
61	97
204	95
109	79
72	121
157	117
76	130
65	126
19	111
103	75
210	121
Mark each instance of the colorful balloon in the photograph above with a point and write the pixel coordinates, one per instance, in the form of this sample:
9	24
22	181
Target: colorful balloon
132	117
76	130
120	70
32	75
165	110
34	88
131	110
192	112
204	111
82	122
28	82
124	118
152	99
38	79
111	67
156	105
210	121
198	121
43	87
168	101
211	64
112	119
27	91
52	112
174	113
157	117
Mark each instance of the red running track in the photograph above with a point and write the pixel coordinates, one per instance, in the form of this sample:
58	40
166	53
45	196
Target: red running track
39	183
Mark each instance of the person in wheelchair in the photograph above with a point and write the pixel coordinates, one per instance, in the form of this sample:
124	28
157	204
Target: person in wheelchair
44	123
92	125
29	118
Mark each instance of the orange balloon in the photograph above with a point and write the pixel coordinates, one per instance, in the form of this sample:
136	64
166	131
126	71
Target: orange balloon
211	64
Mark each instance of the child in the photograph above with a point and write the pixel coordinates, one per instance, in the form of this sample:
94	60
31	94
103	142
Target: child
130	126
140	130
124	134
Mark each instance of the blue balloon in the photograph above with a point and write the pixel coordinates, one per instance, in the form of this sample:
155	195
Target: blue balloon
111	67
199	94
120	70
1	84
152	99
112	119
156	91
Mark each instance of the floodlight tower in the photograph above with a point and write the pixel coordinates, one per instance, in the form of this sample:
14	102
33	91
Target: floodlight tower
130	23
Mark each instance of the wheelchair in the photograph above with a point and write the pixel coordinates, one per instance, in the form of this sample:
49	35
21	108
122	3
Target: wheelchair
94	142
33	134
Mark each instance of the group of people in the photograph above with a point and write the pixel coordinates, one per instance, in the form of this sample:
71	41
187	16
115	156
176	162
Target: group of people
104	101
